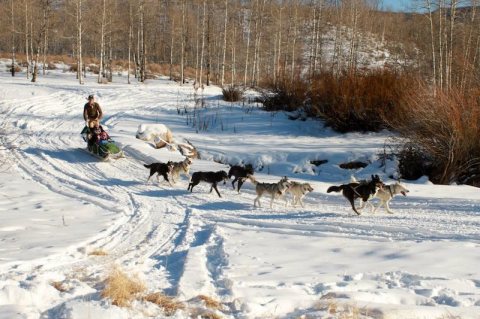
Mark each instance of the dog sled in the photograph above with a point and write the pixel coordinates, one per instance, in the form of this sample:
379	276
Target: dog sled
103	149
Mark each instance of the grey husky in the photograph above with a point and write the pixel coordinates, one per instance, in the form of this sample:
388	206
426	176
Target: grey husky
182	167
272	189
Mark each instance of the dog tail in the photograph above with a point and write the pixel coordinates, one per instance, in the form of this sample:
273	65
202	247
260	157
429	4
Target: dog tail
252	179
335	189
353	179
147	165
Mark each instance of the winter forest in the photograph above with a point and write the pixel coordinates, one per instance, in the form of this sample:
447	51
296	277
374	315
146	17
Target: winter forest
290	159
305	51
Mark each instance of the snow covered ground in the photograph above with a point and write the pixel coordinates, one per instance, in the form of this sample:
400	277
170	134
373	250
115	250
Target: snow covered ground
60	204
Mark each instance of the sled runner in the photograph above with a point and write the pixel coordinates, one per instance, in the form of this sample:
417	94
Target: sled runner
103	149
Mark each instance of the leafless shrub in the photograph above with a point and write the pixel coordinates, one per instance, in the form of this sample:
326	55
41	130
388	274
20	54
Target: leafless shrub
446	128
232	93
362	101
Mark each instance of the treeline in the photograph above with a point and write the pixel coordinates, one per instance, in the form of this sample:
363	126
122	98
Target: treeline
224	41
345	61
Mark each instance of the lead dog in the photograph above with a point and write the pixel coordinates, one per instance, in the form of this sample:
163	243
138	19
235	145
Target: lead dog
386	194
272	189
161	169
355	190
210	177
182	167
240	173
298	191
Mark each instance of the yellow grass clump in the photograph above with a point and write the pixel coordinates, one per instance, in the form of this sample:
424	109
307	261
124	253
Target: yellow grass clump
59	286
97	252
122	289
168	304
210	302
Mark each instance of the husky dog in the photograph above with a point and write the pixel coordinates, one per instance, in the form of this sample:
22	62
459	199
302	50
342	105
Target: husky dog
161	169
298	191
386	194
240	173
355	190
182	167
273	189
210	177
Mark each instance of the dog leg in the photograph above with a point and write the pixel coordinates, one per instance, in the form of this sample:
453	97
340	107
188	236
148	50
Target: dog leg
214	186
257	200
165	177
192	185
388	208
239	184
352	202
371	207
301	202
233	183
271	202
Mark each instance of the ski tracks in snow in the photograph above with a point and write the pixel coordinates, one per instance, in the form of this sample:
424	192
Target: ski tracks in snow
176	239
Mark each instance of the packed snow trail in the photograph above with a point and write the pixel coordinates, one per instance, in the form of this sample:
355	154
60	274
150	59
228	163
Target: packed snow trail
258	262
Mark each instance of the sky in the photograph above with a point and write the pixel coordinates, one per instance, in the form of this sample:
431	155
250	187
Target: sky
398	5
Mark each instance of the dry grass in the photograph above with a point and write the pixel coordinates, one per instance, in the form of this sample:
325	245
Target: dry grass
59	286
203	314
98	252
210	302
168	304
122	289
341	310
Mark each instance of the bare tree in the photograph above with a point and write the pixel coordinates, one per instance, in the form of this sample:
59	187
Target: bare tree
130	35
78	13
45	7
13	38
203	42
26	38
224	42
101	71
182	56
142	46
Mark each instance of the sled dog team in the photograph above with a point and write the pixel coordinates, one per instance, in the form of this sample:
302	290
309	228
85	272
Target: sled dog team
364	189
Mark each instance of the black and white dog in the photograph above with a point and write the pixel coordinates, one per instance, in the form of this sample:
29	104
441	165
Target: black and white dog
210	177
240	173
161	169
354	190
385	195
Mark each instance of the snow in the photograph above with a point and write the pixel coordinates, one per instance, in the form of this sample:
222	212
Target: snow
59	204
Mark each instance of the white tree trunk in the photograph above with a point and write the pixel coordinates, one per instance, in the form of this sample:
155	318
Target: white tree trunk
12	70
203	43
130	34
224	42
26	38
182	52
79	41
102	44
